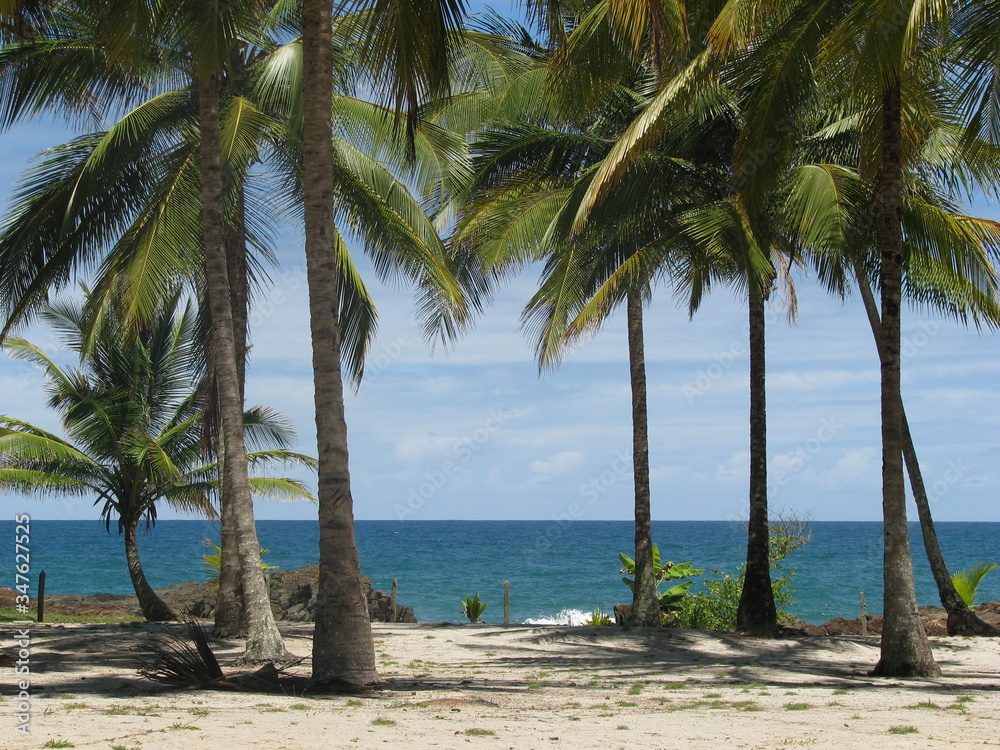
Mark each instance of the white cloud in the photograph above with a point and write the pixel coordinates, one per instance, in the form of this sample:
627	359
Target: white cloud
857	463
557	464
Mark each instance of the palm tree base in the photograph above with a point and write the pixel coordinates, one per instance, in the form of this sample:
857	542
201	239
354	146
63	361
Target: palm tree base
965	622
888	668
346	686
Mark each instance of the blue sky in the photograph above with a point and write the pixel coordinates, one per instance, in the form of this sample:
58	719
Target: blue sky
475	433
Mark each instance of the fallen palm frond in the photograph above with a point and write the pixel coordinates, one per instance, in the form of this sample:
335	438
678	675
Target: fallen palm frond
175	662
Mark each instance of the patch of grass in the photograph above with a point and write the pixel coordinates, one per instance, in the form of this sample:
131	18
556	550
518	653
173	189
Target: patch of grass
126	710
354	703
535	686
480	732
674	686
199	711
572	718
622	727
77	705
573	704
125	747
797	706
925	704
380	722
299	707
713	695
178	725
9	614
627	704
840	692
58	743
964	699
636	689
903	730
67	697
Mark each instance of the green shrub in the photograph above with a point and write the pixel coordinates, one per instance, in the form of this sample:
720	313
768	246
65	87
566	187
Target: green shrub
670	599
715	607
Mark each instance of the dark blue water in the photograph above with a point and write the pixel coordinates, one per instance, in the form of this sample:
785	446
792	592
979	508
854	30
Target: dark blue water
552	566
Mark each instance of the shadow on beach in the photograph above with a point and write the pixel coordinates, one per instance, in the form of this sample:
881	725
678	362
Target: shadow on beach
103	660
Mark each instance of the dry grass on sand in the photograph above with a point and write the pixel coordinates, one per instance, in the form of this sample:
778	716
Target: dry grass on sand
522	687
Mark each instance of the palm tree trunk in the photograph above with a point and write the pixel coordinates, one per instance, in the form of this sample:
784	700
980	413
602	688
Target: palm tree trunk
343	649
263	639
961	619
153	607
645	604
906	652
230	611
756	613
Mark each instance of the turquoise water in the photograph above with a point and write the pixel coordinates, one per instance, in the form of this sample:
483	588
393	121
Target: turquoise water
552	566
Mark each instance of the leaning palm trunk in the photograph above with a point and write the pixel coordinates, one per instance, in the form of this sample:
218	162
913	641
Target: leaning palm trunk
263	639
343	649
230	612
906	652
961	619
645	605
153	607
756	613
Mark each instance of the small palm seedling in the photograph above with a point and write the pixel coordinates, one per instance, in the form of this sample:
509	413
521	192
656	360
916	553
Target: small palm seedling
967	582
598	617
473	608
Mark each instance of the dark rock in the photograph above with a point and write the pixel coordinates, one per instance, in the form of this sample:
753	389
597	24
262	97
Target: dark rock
293	597
622	613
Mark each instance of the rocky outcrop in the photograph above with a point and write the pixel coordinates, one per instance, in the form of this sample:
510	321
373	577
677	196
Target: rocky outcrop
935	620
293	597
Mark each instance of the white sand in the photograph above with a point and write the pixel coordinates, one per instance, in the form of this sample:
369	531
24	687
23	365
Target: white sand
521	688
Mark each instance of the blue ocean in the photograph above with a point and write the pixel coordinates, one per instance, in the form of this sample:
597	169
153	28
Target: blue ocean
557	569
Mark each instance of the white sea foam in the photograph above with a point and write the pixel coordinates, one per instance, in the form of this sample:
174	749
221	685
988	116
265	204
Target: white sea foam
564	617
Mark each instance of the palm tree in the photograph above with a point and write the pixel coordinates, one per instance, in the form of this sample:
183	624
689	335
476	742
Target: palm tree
948	269
869	49
133	421
132	195
404	47
520	203
948	261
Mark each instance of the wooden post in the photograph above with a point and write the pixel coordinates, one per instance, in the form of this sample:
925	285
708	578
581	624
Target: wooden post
864	617
395	612
506	602
41	596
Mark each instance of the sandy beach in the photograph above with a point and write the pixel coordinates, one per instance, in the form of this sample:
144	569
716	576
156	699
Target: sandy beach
522	687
